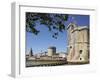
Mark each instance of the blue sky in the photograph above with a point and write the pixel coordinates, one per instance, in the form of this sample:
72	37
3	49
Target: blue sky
44	39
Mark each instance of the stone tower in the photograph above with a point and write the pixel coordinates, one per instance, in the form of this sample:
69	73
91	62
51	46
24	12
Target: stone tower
31	53
51	51
78	43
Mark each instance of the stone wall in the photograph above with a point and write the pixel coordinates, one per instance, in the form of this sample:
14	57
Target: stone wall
78	44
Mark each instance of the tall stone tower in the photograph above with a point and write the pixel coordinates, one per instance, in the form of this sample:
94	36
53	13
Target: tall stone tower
31	53
51	51
78	43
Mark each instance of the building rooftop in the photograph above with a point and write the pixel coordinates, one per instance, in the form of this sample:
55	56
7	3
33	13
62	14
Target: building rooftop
80	28
52	47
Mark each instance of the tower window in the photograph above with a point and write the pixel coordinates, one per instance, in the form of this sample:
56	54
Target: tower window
70	46
72	27
80	51
80	58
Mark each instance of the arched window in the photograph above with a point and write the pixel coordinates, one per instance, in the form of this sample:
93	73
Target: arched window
80	51
80	58
70	46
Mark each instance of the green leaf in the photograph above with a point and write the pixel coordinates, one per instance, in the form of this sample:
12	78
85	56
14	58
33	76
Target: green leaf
54	22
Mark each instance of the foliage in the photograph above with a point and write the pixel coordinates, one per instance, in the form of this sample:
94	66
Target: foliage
54	22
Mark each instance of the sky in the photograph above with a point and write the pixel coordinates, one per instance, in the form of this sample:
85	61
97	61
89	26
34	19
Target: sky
40	43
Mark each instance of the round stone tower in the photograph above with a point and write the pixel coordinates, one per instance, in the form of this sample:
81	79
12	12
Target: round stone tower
51	51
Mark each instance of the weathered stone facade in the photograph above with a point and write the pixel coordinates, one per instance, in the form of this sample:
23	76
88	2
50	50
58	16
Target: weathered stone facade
78	43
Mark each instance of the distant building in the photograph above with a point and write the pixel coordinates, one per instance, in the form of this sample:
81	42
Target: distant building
51	51
31	53
62	54
38	55
50	55
78	43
